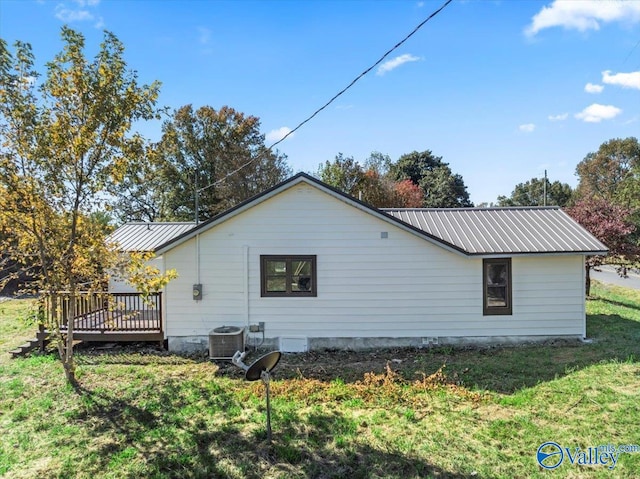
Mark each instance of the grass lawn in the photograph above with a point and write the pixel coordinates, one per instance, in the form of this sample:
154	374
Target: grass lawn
421	413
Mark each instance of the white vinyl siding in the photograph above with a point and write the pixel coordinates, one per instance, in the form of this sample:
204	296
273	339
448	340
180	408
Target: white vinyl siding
367	286
119	285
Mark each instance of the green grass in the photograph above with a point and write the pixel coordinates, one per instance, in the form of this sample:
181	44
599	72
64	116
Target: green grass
15	323
484	413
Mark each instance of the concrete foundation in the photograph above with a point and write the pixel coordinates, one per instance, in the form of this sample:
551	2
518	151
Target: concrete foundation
201	343
188	344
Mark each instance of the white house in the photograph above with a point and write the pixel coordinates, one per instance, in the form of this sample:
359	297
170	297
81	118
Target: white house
321	269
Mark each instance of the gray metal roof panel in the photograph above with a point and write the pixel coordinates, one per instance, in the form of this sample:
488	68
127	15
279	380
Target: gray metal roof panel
482	231
146	236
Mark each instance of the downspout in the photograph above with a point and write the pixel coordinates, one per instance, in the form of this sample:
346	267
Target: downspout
245	267
163	299
584	297
197	259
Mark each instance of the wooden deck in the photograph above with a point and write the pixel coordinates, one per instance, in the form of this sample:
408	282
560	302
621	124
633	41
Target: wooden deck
110	317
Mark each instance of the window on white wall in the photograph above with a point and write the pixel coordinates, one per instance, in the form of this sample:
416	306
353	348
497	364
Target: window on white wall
496	279
284	275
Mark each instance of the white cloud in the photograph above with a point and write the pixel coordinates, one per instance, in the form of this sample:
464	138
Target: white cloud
396	62
527	128
78	12
277	135
204	35
595	113
583	15
593	88
625	80
68	15
560	117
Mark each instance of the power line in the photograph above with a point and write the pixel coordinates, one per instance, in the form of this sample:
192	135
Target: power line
341	92
629	54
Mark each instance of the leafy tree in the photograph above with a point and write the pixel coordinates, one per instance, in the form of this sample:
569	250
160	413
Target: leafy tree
441	188
343	173
64	145
219	153
140	195
409	193
612	225
531	193
371	183
612	173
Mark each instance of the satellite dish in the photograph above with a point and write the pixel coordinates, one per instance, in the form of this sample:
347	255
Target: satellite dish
265	364
260	369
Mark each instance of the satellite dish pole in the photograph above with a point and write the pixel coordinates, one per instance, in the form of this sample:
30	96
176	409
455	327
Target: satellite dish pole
266	377
260	369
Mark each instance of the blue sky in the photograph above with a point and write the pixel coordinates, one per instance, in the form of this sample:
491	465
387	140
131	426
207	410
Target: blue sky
502	90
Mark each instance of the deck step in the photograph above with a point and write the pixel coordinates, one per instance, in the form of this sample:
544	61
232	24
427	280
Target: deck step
25	348
34	343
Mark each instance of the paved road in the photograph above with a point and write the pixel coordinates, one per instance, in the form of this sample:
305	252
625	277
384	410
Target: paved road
608	275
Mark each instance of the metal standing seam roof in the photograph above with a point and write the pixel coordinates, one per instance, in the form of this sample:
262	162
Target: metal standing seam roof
522	230
146	236
470	231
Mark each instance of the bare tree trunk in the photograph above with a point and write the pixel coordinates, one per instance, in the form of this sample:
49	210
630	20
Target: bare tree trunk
67	360
587	280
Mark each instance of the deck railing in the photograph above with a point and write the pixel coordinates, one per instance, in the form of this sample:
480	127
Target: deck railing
105	312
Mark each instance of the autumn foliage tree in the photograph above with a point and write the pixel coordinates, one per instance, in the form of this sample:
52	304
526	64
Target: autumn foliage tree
612	173
441	188
410	194
612	225
65	144
374	182
219	156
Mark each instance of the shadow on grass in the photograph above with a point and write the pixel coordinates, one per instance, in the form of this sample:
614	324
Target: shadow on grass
500	369
227	439
624	304
508	369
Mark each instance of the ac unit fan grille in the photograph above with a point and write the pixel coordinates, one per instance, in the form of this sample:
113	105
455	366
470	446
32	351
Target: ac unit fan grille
225	341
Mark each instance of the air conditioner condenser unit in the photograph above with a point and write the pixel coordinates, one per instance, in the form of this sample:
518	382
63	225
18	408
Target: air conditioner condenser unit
225	341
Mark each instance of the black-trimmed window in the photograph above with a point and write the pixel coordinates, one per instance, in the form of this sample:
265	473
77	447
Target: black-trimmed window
288	275
496	280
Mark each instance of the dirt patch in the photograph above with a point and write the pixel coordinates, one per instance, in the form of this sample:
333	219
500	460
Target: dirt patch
328	365
323	365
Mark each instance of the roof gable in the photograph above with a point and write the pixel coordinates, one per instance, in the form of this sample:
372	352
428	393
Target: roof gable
290	183
468	231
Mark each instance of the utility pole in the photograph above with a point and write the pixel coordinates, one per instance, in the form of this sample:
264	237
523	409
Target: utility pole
197	205
544	189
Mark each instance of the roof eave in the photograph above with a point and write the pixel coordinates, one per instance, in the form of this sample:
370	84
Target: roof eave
494	254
